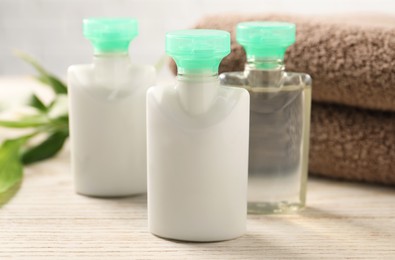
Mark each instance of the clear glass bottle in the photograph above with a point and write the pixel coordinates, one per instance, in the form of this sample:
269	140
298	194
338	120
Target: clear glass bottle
279	118
107	113
197	134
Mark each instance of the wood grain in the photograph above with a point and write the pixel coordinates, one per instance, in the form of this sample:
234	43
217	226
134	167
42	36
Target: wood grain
47	220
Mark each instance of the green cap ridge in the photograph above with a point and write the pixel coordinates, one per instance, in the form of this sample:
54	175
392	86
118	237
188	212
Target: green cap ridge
265	39
110	34
198	50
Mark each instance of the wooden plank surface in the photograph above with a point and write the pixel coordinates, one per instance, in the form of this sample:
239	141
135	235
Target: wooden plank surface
47	220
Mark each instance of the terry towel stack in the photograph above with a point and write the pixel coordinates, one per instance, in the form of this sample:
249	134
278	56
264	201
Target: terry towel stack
352	63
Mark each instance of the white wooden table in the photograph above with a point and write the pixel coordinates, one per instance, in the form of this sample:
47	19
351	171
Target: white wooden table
47	220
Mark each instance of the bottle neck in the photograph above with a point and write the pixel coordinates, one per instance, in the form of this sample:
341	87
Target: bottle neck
264	64
197	76
111	69
197	91
112	59
264	72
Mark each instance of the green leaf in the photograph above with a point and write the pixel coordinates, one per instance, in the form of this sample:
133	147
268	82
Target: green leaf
58	107
44	76
57	86
47	149
25	122
11	168
29	59
61	123
37	103
7	195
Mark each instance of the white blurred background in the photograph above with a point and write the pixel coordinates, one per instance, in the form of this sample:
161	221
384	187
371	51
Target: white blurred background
51	30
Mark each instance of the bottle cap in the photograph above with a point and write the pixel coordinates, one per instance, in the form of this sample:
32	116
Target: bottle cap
197	50
265	39
110	34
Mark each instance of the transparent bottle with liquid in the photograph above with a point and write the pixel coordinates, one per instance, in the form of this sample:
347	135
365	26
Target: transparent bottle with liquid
197	134
107	113
279	118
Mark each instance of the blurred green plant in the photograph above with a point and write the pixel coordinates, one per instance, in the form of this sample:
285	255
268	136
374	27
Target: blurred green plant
49	121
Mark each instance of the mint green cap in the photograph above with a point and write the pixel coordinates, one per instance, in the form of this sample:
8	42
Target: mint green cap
197	50
110	34
265	39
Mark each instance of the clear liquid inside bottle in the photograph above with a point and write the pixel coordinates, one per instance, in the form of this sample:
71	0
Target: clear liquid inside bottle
279	135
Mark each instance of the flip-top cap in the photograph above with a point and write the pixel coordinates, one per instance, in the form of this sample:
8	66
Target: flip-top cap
197	50
110	34
265	39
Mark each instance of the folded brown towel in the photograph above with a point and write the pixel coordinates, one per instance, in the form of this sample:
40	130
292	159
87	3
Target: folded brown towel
351	63
353	144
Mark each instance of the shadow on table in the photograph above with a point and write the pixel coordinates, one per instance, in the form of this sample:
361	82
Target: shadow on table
353	184
249	246
132	201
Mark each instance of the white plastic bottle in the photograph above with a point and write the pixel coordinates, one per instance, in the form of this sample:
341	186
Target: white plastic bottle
107	113
197	133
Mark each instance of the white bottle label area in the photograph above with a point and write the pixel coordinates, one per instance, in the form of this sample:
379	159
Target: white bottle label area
197	162
108	131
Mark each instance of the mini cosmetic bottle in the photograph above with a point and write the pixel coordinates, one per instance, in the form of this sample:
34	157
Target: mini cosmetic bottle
280	118
197	134
107	113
